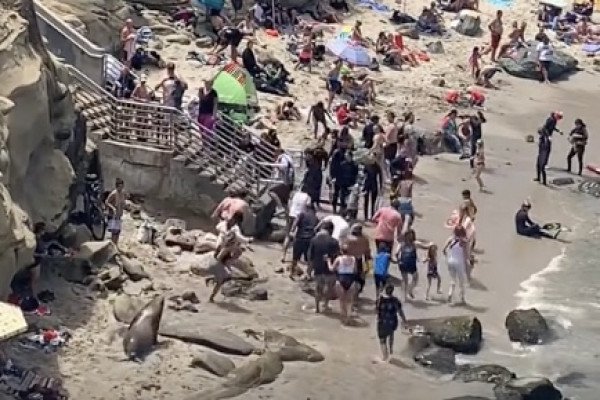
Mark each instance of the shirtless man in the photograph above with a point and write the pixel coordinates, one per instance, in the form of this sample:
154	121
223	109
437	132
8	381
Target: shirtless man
403	193
115	202
360	248
128	36
142	92
467	206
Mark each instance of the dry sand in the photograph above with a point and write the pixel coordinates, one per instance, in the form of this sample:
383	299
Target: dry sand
92	364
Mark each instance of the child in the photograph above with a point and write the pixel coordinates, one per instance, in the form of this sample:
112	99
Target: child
432	269
388	310
474	62
382	264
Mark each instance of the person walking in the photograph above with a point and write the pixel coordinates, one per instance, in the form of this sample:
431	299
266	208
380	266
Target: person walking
389	225
345	267
372	187
346	177
303	230
456	251
578	138
322	250
545	144
116	203
545	54
475	122
388	310
479	164
407	263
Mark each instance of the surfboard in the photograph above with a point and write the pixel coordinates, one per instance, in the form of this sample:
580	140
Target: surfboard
594	168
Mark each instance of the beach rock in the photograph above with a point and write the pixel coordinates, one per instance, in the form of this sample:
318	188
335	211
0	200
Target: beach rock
530	139
97	253
289	349
166	255
524	63
74	270
163	30
262	370
461	334
416	344
563	181
258	294
205	244
125	308
112	278
214	363
590	187
435	47
264	209
178	38
74	235
486	373
190	296
534	388
438	359
134	269
409	30
137	288
193	328
184	241
527	326
439	82
469	23
243	268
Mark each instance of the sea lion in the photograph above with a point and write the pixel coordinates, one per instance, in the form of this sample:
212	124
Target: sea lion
142	334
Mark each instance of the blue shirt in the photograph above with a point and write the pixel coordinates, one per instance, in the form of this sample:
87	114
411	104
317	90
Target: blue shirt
382	263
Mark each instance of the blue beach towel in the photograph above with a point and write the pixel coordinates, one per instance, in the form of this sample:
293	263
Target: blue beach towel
503	4
373	5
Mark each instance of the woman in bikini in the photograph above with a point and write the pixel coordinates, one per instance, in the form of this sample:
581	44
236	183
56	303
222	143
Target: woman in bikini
407	262
479	163
345	267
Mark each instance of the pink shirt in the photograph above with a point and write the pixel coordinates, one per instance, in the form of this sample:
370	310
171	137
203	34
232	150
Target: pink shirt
229	206
388	220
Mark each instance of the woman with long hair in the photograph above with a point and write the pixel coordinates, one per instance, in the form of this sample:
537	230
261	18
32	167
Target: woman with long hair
457	251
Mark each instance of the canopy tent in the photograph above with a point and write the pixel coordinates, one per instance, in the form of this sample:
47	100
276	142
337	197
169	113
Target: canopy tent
236	90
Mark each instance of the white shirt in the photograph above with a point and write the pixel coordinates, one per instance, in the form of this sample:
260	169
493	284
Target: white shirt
285	168
258	12
298	203
340	226
456	253
545	52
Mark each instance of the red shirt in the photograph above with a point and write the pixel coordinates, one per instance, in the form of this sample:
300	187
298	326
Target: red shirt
342	115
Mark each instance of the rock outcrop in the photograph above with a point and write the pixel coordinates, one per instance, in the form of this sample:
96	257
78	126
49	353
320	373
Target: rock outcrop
98	20
36	121
534	388
527	326
461	334
524	64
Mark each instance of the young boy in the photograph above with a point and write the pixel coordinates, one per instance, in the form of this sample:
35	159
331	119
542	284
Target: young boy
388	310
382	264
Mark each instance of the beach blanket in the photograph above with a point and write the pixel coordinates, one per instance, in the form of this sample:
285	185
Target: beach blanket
590	49
501	3
373	5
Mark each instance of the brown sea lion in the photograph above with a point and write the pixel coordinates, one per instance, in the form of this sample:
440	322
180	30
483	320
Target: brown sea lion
142	334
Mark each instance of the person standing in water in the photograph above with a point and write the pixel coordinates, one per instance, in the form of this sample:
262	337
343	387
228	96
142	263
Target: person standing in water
407	262
578	138
456	251
345	267
116	202
388	310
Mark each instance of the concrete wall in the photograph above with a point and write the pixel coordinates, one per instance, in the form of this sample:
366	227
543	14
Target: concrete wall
156	174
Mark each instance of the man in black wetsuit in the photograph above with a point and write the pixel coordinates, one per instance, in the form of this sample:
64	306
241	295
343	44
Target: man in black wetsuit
545	145
526	227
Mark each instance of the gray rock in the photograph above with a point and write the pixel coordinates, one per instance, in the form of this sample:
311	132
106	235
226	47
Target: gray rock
524	64
214	363
469	23
264	208
563	181
277	236
461	334
137	288
184	240
589	187
262	370
164	254
178	38
96	285
258	294
416	344
125	308
133	268
190	296
486	373
534	388
112	278
73	236
438	359
527	326
289	349
97	253
439	82
435	47
162	30
74	270
193	328
409	30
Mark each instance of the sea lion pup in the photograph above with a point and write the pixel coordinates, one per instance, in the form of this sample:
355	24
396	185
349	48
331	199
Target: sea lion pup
142	334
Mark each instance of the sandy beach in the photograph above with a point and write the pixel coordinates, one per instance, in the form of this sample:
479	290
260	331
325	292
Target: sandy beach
92	365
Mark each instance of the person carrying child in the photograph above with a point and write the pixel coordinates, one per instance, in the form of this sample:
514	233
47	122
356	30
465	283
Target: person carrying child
432	269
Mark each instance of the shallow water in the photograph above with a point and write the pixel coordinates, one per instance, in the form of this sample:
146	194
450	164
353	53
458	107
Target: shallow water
567	293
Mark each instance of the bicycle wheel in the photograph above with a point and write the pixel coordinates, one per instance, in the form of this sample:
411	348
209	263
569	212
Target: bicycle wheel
97	222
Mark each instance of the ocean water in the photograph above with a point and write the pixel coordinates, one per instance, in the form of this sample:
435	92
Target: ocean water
567	293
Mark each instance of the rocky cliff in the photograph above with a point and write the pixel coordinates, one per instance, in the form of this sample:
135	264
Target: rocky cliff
36	121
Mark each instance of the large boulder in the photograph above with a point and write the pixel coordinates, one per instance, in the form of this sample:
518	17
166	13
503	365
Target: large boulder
534	388
97	253
527	326
461	334
133	268
193	328
289	349
125	308
264	209
468	23
524	64
213	362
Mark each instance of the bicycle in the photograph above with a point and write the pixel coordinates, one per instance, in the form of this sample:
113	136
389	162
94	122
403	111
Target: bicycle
92	206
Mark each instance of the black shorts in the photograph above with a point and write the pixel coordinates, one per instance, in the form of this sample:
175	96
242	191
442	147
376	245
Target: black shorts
546	64
380	281
234	38
300	248
390	150
384	331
